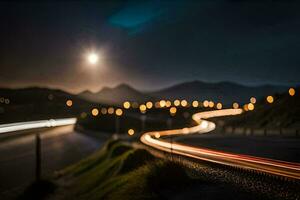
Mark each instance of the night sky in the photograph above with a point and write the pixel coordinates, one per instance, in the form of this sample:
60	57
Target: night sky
149	44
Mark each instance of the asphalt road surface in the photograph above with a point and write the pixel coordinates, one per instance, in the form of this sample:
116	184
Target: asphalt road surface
273	147
61	147
162	140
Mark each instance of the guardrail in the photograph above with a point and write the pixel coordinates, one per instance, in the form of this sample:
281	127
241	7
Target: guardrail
260	131
20	126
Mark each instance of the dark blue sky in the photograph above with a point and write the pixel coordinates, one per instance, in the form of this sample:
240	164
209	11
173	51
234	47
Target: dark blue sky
149	44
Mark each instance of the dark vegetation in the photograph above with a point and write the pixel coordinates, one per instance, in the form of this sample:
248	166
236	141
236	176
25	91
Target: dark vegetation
283	113
156	119
118	171
38	103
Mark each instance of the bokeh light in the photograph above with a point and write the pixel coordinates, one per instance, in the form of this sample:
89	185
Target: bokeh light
184	103
176	102
126	104
95	112
130	132
270	99
211	104
104	111
168	104
110	110
195	104
173	110
162	103
235	105
119	112
253	100
205	103
250	106
149	104
292	91
69	103
143	108
219	106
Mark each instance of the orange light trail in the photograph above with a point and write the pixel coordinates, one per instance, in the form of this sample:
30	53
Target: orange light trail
277	167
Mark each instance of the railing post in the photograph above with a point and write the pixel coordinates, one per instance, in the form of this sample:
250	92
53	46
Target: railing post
265	131
143	122
169	125
38	157
117	125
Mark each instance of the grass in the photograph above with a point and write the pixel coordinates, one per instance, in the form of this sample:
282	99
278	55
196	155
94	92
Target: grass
118	171
38	190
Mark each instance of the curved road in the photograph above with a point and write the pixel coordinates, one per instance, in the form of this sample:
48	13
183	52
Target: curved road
61	146
277	167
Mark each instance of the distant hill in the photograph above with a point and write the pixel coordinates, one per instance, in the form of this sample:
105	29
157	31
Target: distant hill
38	103
226	92
116	95
34	94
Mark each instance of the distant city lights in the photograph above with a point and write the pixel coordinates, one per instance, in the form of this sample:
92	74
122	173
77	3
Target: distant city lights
149	104
69	103
103	111
245	107
195	104
211	104
235	105
143	108
184	103
219	106
162	103
119	112
270	99
173	110
130	132
95	112
110	110
253	100
168	104
176	102
126	104
205	103
292	91
250	106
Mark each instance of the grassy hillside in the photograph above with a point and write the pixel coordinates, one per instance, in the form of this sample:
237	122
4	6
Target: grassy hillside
115	172
283	113
118	171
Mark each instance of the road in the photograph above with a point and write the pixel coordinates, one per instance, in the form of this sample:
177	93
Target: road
61	147
286	148
158	140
